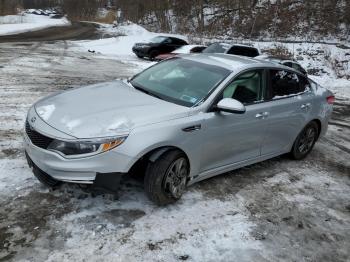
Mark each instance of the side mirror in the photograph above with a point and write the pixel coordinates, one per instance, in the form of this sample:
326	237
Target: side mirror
230	105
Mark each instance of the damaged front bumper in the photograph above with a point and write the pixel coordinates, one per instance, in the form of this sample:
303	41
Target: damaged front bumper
104	182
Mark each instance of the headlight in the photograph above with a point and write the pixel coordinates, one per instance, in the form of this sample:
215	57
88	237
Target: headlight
81	149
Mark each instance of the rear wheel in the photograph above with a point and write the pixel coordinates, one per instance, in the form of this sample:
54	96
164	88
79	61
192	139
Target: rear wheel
139	56
305	141
166	178
153	54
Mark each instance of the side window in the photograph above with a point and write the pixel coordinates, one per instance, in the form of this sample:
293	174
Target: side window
284	83
197	49
299	68
304	84
167	41
176	41
289	64
313	85
246	88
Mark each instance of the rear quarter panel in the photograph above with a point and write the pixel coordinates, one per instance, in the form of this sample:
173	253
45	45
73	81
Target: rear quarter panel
321	110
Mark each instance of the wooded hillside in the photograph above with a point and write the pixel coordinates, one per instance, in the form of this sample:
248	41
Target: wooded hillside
233	18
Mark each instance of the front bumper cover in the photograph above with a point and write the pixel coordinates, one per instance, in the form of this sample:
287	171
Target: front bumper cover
104	182
141	51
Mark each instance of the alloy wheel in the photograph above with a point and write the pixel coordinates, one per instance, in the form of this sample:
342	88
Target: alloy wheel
307	140
176	177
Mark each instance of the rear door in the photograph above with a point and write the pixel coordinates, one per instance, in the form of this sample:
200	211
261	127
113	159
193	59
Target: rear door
288	107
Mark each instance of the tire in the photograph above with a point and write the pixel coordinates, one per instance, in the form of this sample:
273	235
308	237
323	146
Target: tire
45	179
139	56
163	183
153	54
305	141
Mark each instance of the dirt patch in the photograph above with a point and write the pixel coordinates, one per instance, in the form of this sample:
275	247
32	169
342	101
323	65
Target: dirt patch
116	217
280	218
24	218
12	152
226	185
77	31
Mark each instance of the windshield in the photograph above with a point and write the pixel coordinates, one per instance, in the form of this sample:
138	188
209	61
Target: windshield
180	81
217	48
158	39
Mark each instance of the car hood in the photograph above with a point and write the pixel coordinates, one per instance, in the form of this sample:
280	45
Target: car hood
103	110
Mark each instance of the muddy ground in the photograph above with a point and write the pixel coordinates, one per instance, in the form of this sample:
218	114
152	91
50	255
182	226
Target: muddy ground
277	210
76	31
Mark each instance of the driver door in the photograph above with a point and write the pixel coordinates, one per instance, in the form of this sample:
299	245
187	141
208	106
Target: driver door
233	138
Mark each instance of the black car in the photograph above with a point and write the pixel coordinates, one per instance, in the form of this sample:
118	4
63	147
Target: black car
235	49
157	45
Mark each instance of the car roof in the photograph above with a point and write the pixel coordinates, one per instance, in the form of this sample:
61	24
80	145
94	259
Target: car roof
275	58
231	62
229	45
178	37
186	48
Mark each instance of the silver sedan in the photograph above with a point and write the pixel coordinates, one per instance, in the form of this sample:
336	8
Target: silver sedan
181	121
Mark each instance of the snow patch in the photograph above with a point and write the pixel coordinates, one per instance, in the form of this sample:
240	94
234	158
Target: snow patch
24	22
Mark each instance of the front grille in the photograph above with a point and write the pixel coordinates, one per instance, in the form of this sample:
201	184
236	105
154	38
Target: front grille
37	139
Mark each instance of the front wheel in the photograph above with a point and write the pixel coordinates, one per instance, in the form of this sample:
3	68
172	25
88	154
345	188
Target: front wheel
305	141
166	178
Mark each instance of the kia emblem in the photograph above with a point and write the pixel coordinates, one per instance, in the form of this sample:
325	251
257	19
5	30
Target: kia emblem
33	119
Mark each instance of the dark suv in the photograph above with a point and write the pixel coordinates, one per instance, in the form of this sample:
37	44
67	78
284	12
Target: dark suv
243	50
157	45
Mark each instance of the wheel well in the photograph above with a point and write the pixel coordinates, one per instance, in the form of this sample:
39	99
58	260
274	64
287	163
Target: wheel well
140	165
318	122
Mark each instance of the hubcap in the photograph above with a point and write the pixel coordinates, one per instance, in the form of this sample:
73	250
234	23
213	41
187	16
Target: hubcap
307	140
175	178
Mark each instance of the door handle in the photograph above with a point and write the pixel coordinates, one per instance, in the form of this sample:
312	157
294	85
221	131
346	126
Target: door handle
260	116
192	128
305	106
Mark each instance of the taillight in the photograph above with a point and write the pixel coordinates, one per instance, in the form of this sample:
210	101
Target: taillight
331	100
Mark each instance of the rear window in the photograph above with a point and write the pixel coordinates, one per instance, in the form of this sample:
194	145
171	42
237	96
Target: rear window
178	41
217	48
243	51
284	83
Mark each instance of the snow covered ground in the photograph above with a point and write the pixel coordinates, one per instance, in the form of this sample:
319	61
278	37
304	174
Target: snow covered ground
120	47
26	22
278	210
327	64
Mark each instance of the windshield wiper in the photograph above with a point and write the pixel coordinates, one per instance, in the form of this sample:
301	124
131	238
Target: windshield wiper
143	90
